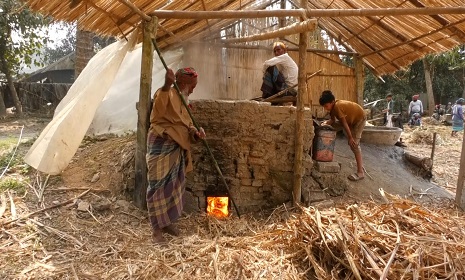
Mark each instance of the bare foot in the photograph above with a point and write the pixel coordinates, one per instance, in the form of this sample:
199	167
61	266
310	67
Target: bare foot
157	237
171	229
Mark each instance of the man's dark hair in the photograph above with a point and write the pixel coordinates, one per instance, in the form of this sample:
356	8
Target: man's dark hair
326	97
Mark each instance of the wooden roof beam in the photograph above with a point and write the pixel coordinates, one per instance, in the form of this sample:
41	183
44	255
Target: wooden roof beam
135	9
410	52
208	29
232	14
364	42
442	21
295	28
390	30
414	39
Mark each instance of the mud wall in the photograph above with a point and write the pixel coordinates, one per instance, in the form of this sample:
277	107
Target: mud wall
253	143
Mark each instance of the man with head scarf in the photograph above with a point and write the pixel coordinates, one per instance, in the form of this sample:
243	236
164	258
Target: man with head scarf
415	106
168	152
457	117
279	72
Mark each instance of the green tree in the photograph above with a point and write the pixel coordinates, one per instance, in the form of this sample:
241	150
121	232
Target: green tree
64	47
16	19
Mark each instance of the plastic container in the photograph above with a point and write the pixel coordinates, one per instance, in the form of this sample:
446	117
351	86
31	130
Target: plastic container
323	144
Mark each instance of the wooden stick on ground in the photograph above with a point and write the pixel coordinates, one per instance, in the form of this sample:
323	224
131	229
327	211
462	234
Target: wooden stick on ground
424	163
3	206
45	209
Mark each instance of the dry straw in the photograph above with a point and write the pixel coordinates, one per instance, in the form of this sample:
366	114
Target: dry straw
396	239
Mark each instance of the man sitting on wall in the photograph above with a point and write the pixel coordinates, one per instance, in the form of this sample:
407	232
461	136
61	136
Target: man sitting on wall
279	73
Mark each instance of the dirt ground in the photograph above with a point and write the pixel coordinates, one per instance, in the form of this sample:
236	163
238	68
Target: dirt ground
101	235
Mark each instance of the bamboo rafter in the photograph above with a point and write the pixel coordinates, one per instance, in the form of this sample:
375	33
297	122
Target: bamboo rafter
299	27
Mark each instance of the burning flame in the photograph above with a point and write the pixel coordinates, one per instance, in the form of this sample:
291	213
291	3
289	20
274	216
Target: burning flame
217	206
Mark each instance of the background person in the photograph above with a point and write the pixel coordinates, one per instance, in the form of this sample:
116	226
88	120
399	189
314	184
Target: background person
389	110
415	106
352	118
168	152
457	117
279	72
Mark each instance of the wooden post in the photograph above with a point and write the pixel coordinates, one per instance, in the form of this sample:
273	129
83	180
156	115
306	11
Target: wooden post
359	82
432	150
459	193
143	112
299	119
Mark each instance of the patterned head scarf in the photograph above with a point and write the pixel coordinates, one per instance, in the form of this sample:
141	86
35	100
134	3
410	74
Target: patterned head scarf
279	44
186	75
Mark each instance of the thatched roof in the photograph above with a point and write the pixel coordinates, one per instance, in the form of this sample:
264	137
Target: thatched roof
393	35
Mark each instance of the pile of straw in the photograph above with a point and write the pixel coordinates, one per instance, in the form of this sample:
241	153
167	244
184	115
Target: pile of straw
396	239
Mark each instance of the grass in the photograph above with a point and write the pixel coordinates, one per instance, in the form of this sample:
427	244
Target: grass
6	144
12	184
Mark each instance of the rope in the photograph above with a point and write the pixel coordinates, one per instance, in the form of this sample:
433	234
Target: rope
14	152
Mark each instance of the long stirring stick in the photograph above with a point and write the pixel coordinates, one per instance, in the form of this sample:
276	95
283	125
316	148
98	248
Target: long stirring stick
198	128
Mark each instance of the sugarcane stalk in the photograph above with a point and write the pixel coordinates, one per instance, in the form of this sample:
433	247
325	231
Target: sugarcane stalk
198	128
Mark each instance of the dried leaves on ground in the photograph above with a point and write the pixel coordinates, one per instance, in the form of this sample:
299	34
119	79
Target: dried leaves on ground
395	239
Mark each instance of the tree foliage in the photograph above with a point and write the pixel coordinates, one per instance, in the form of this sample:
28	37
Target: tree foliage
18	21
447	71
20	40
64	47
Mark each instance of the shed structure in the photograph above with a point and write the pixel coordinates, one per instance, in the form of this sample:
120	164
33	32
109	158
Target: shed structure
383	35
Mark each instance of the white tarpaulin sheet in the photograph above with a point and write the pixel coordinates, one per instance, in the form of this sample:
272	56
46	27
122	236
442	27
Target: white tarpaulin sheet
117	113
59	141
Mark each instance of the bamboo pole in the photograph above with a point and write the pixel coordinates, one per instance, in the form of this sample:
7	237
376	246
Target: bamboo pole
299	119
198	128
359	82
232	14
460	193
143	112
285	90
136	10
298	27
432	150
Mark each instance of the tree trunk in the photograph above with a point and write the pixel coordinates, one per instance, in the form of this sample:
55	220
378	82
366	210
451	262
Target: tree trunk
11	86
463	77
2	106
429	86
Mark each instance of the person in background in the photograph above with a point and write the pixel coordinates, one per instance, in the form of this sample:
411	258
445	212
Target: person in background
168	152
389	110
279	72
352	118
457	117
415	106
449	108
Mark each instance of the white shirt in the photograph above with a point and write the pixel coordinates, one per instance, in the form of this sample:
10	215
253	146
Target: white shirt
286	66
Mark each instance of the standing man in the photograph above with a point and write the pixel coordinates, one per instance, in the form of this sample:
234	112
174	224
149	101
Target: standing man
279	72
415	106
168	152
457	117
352	118
389	110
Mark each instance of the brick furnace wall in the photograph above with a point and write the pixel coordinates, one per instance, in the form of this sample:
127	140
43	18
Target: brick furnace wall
253	143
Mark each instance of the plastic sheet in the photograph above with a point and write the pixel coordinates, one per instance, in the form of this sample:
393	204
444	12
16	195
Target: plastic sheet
59	141
117	113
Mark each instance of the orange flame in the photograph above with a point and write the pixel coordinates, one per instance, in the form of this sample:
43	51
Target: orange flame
217	206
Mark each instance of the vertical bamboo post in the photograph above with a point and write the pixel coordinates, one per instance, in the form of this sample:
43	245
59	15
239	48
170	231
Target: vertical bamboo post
432	150
299	120
359	82
143	112
460	194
